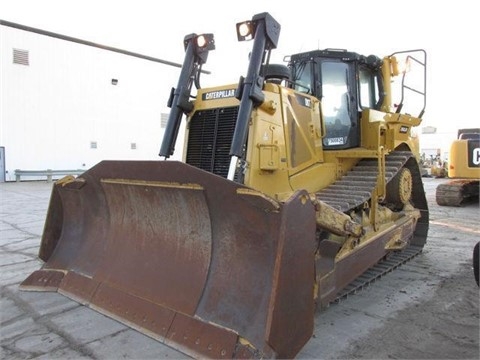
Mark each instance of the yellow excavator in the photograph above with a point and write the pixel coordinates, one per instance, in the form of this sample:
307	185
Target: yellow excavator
299	184
463	169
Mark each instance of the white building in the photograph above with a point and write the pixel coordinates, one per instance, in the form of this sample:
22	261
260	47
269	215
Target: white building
66	103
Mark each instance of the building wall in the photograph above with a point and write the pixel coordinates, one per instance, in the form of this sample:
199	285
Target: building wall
54	110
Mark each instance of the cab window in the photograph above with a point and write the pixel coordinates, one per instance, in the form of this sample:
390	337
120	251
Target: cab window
303	77
368	89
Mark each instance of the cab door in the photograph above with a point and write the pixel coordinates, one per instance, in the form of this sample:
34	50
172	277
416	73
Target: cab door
338	94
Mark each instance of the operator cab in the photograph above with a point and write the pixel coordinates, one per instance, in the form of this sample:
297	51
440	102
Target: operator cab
346	83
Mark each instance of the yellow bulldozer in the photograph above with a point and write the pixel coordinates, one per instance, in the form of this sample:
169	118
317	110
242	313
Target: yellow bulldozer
463	169
299	184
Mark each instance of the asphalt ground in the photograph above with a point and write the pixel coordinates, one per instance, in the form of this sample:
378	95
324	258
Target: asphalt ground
426	309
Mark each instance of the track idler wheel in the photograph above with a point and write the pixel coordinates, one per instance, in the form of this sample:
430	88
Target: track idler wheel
399	190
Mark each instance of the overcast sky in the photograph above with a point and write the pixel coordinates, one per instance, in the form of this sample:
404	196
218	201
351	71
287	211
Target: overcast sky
447	30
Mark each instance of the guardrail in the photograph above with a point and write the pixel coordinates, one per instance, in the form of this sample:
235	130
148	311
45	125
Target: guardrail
49	173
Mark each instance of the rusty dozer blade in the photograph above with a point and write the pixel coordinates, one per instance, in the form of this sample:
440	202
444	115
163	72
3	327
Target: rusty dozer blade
205	265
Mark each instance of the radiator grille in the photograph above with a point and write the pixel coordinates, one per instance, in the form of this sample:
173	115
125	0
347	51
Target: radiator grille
209	140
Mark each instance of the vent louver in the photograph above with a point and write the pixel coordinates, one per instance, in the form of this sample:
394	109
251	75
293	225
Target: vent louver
21	57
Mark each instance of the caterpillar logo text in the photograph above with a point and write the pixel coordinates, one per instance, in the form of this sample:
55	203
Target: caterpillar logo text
220	94
476	156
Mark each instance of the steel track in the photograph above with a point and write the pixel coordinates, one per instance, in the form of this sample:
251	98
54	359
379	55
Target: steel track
356	187
376	272
353	190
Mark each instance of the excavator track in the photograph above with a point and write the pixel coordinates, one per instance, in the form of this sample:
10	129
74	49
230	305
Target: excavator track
353	190
457	192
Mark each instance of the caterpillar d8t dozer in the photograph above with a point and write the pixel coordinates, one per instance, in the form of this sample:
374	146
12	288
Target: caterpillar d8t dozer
295	183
